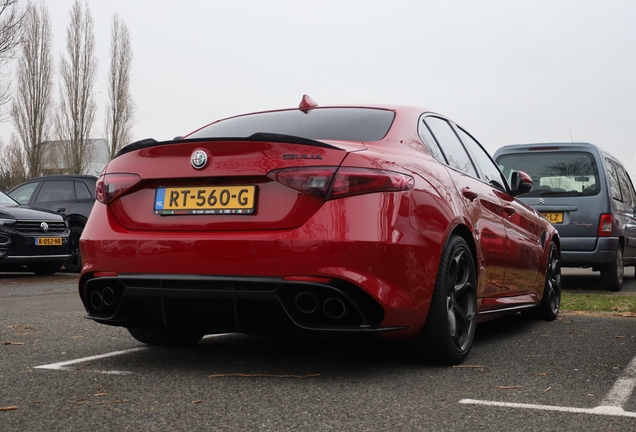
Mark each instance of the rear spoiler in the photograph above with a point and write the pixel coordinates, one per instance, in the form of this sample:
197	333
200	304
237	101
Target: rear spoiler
260	137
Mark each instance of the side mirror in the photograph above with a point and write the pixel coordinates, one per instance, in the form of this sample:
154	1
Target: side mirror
520	183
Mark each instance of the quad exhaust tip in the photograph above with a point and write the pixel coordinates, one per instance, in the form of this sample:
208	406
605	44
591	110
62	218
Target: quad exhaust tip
333	307
103	298
306	303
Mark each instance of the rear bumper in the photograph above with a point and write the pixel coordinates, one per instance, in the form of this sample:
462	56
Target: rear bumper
227	304
383	266
603	253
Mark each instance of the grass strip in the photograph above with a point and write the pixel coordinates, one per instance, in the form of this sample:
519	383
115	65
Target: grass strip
615	303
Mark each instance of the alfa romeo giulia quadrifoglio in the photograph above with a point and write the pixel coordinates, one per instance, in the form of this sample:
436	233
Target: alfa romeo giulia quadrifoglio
389	220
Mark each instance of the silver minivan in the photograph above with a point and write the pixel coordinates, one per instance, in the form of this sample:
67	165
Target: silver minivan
588	196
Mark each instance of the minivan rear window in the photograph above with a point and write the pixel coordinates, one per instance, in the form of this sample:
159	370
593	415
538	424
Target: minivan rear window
340	124
555	173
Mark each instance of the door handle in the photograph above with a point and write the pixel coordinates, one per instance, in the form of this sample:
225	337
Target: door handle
509	210
471	195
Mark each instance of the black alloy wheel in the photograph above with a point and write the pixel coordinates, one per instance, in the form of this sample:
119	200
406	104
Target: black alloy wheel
449	330
551	301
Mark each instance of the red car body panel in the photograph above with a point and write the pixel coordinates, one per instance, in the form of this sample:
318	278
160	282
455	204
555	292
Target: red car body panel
386	244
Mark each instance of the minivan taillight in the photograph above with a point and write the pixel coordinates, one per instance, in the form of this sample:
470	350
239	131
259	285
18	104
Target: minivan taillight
110	186
605	225
332	182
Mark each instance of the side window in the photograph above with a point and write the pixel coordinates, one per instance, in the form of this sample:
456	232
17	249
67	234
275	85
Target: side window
626	186
81	190
451	146
23	193
431	144
613	180
484	162
57	190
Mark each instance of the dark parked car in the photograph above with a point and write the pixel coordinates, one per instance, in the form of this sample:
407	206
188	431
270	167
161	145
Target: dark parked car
72	195
379	220
588	196
36	238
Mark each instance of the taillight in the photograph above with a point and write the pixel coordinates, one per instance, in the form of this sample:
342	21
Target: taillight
331	182
358	181
110	186
605	225
313	180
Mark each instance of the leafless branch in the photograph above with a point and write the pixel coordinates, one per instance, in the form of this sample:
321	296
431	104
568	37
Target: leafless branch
121	108
11	20
33	102
78	75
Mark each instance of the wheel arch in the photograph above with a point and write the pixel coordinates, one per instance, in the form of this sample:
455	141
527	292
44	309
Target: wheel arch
464	232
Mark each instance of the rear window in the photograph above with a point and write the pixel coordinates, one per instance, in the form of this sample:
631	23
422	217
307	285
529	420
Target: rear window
341	124
555	174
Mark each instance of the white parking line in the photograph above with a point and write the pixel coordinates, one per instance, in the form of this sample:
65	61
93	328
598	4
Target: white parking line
63	365
599	410
623	388
612	404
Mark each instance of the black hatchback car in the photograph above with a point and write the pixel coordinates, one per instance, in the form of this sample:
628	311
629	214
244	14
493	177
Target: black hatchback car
71	195
36	238
588	196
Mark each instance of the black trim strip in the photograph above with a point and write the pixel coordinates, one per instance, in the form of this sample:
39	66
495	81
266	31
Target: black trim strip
257	137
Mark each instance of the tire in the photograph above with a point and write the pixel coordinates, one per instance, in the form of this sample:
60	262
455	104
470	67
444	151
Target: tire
45	268
74	263
550	305
613	274
163	337
448	332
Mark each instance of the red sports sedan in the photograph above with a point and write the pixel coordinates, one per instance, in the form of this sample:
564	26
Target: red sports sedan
390	220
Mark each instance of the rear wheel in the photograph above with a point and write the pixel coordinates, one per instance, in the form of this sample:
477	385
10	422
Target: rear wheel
448	333
164	337
45	268
613	274
550	304
74	263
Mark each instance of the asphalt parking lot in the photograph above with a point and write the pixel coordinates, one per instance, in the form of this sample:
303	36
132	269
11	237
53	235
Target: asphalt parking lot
59	371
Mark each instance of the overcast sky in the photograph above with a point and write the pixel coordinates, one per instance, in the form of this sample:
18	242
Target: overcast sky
508	71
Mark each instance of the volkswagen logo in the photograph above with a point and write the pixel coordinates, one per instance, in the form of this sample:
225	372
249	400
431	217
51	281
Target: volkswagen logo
44	226
199	159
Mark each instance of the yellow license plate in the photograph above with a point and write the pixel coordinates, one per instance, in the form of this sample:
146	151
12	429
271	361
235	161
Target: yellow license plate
205	200
48	241
554	218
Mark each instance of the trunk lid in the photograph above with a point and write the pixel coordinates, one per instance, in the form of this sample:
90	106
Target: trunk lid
236	172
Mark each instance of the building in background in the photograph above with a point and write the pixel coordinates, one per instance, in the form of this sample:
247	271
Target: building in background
54	162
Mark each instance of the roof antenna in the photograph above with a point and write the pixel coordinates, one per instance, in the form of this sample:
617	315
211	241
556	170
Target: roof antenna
307	104
571	136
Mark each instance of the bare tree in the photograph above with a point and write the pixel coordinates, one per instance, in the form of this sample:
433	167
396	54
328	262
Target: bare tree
121	108
33	101
11	17
77	105
12	169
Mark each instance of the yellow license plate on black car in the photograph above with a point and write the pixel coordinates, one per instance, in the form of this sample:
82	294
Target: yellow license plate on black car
555	218
205	200
48	241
